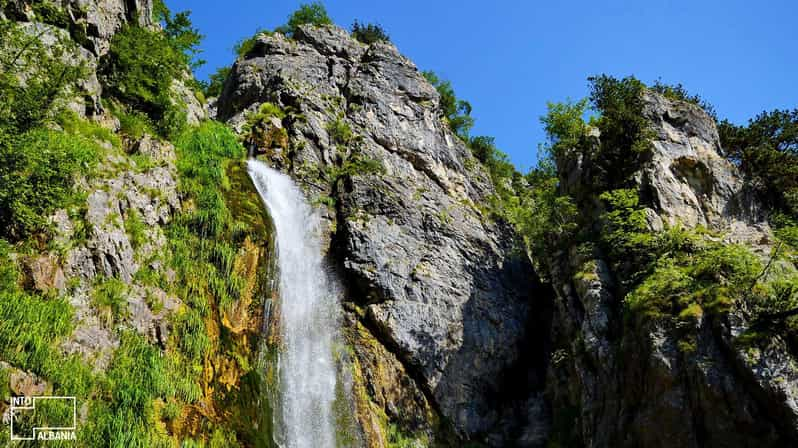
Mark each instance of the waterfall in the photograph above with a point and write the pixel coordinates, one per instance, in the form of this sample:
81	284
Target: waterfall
308	314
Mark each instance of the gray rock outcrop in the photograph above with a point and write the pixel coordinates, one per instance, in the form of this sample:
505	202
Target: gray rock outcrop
646	383
439	283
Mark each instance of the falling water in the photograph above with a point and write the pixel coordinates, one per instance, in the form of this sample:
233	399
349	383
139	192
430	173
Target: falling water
308	315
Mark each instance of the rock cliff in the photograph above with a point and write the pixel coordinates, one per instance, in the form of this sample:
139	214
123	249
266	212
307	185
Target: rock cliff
453	338
625	383
440	286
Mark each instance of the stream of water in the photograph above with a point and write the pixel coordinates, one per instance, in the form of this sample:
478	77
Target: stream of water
308	315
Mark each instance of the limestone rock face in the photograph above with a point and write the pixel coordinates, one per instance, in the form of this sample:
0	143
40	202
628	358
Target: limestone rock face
439	283
687	179
648	384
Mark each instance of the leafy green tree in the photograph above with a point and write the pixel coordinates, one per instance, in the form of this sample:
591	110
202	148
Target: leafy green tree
767	153
369	33
456	111
47	77
215	84
625	132
564	126
308	14
139	70
180	33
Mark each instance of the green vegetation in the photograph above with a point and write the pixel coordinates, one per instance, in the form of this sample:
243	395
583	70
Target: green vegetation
139	70
369	33
215	85
36	178
457	112
308	14
39	164
180	33
125	417
109	299
766	150
135	228
678	92
246	45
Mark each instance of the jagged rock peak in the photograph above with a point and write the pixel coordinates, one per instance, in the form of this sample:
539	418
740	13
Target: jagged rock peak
439	283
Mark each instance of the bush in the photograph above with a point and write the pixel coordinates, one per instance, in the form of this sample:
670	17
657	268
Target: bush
565	127
708	278
109	297
36	178
216	82
766	150
456	111
47	77
625	132
139	70
679	93
308	14
369	33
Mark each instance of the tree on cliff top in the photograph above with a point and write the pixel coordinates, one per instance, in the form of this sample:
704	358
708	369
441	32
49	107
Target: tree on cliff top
307	14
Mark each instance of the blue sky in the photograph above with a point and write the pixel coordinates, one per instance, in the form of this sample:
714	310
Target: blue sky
508	58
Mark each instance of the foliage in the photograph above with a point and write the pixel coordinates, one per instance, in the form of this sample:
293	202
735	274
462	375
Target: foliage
139	70
308	14
244	46
36	177
766	150
183	37
30	331
624	235
679	93
369	33
216	82
133	124
136	377
340	132
544	218
136	229
259	131
47	77
456	111
698	273
625	132
109	297
565	127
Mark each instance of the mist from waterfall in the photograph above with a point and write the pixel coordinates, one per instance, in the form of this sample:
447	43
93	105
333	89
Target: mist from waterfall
308	315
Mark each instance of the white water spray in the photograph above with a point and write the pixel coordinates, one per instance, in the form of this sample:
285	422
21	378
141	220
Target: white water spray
308	315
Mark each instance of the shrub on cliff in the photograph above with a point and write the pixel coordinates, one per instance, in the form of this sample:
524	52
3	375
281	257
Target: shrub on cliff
766	150
456	111
36	178
308	14
139	70
369	33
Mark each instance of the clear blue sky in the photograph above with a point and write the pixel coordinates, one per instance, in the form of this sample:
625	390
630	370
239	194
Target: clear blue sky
508	58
